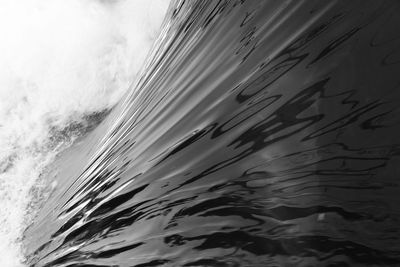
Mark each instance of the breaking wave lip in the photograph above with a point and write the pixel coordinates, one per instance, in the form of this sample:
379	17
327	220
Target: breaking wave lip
63	67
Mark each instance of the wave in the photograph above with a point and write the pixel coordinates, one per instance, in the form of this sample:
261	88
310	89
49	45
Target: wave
259	133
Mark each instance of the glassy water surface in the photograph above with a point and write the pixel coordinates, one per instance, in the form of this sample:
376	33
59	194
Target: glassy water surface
261	133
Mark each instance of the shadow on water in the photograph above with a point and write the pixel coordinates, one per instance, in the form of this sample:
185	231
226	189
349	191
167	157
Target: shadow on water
261	133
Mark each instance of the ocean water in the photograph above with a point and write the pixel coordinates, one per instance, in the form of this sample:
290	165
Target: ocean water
258	133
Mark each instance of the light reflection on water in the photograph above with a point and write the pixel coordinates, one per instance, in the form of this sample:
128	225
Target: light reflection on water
262	133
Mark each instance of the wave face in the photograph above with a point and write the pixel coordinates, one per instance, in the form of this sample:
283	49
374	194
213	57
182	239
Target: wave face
260	133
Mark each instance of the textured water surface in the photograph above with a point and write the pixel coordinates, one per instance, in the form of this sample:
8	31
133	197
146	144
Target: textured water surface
261	133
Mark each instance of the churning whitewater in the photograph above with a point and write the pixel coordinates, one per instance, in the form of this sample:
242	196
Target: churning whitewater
63	65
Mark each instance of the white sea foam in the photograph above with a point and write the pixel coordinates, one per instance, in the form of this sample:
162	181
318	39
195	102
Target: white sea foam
59	60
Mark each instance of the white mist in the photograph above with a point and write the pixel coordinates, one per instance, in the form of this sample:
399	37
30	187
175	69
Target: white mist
59	60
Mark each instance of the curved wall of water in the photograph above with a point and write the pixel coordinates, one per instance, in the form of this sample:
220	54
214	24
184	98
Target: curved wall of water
261	133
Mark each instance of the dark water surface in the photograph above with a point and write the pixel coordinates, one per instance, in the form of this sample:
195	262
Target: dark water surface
261	133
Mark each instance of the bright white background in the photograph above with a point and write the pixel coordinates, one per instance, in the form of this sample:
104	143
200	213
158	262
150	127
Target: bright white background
59	60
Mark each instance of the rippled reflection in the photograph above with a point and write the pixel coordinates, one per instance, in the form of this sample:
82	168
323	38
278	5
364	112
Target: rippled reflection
261	133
